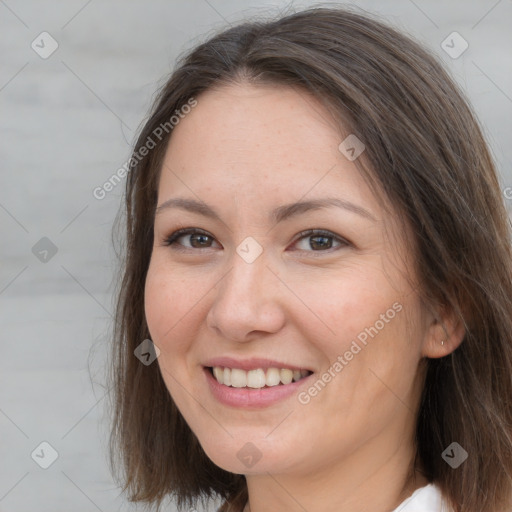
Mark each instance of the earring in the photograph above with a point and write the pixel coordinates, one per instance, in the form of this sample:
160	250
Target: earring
442	342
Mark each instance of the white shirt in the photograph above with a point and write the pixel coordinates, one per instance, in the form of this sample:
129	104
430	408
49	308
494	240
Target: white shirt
424	499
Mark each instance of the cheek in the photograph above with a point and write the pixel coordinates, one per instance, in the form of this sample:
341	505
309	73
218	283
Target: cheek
351	303
367	322
171	308
170	304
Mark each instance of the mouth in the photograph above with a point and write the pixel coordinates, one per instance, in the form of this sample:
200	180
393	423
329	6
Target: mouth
257	378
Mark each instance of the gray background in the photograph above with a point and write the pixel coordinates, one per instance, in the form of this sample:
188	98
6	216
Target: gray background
66	125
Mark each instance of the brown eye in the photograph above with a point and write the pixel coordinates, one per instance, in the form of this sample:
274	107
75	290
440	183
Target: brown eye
319	240
197	239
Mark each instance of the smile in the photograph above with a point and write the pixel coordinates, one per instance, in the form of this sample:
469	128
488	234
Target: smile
257	378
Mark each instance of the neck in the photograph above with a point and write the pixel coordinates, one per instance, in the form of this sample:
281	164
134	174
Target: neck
377	477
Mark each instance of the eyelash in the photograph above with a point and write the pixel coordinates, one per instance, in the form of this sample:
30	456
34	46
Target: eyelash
171	239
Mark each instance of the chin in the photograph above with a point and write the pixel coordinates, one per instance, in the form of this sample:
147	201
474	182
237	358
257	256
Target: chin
248	454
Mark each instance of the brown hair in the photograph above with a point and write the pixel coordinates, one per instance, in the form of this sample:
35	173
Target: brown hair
425	152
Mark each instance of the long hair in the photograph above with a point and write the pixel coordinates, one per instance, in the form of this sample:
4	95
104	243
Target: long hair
426	154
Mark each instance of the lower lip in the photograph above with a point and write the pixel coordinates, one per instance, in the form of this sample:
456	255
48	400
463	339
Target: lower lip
249	397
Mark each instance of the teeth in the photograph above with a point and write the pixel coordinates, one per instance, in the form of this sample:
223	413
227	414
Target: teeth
255	378
286	376
219	374
238	378
227	377
273	377
258	378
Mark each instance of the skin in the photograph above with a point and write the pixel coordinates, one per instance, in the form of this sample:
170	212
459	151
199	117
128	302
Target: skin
244	150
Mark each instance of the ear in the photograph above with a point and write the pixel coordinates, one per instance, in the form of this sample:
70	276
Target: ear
444	333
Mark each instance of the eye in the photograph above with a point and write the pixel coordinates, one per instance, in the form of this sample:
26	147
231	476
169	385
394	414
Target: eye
198	239
320	240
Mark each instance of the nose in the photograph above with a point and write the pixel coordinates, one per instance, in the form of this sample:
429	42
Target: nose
249	301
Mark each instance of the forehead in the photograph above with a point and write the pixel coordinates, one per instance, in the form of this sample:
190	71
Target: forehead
259	140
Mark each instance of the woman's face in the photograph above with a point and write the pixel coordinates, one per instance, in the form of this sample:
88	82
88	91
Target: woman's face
251	293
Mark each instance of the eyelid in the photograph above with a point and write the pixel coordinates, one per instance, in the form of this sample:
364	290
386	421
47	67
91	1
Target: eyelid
321	232
169	240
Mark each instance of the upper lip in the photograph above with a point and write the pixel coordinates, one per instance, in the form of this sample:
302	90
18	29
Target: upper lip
251	364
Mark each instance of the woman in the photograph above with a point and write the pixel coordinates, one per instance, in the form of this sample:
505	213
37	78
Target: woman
319	255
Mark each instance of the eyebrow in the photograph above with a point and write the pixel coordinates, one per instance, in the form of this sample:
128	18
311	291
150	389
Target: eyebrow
277	215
